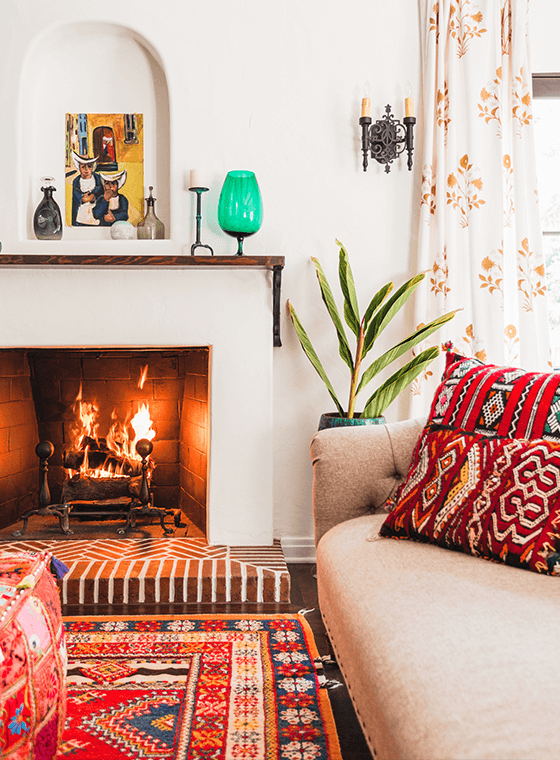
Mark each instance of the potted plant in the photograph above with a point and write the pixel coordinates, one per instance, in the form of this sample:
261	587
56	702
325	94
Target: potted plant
366	330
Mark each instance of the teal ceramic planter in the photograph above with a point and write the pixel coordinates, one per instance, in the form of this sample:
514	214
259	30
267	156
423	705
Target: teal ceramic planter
333	420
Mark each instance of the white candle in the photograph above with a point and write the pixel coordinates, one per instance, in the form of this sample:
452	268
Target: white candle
366	103
196	180
408	100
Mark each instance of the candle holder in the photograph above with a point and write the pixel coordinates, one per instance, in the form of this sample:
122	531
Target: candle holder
387	138
197	243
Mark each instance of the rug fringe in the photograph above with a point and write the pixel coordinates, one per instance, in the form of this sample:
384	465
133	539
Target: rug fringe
332	683
326	659
305	611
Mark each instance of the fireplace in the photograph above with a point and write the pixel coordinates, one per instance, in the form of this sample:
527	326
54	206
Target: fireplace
91	404
161	302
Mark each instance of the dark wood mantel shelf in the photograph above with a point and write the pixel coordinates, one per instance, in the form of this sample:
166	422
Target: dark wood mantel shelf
275	263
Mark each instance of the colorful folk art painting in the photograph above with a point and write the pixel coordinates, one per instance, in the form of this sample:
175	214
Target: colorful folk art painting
104	175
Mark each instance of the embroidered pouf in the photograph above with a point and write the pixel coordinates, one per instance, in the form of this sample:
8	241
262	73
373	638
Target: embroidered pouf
32	659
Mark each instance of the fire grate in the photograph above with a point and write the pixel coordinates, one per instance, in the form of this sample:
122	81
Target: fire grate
131	495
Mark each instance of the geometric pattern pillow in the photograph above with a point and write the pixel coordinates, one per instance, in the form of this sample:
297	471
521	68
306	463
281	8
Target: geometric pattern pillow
496	498
493	400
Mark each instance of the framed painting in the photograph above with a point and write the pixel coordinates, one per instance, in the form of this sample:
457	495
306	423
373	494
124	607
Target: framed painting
104	176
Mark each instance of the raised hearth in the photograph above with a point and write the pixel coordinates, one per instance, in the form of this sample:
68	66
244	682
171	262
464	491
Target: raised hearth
164	571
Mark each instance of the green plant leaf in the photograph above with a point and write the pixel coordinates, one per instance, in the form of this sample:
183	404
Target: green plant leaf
388	392
375	303
312	356
328	298
388	311
351	310
401	348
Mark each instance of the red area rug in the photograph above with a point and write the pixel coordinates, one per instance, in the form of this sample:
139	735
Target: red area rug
206	686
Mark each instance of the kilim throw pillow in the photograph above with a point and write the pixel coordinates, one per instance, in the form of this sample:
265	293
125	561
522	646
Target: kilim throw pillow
497	498
493	400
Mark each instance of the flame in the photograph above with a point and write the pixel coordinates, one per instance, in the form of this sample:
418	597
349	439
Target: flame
141	423
87	414
120	442
143	376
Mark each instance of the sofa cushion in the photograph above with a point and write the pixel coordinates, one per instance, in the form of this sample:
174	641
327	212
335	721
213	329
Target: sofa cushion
494	400
497	498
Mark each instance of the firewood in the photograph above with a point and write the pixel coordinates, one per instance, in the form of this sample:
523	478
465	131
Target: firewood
84	488
73	460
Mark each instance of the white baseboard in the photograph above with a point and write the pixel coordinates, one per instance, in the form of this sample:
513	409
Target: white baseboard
298	548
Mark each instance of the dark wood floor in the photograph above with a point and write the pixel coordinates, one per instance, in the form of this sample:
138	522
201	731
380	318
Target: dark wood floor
303	597
353	746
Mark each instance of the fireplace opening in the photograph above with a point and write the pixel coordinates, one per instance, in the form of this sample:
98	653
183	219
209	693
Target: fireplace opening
94	405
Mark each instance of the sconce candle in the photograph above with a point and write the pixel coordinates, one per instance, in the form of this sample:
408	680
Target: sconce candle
409	107
385	139
366	106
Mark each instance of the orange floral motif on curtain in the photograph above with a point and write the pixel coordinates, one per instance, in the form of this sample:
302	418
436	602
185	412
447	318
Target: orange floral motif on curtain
521	108
531	280
440	274
506	26
443	117
511	340
472	344
434	21
462	193
465	24
491	95
509	207
494	277
428	189
418	383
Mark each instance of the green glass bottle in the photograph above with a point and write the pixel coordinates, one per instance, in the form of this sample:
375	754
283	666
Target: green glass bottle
240	209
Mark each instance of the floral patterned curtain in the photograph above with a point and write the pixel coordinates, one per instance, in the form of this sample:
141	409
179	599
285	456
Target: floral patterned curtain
480	236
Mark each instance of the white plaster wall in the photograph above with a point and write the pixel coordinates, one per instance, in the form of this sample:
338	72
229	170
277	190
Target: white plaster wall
275	88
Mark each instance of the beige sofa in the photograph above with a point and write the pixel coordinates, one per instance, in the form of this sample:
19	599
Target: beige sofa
446	656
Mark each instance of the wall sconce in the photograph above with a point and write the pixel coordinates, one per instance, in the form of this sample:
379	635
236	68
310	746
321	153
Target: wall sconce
387	138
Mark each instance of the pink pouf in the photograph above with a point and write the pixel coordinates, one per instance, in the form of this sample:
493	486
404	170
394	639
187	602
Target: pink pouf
32	659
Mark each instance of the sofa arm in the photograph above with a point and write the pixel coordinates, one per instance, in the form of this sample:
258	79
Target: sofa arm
356	469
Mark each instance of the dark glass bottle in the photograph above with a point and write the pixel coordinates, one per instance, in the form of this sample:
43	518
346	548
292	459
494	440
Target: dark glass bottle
150	228
47	220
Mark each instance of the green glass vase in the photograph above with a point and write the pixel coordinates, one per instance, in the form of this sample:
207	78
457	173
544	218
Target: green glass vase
240	210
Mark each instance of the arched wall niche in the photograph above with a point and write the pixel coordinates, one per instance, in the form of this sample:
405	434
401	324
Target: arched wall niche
89	67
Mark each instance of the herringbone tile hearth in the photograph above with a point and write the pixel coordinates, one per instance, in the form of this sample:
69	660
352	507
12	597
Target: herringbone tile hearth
164	570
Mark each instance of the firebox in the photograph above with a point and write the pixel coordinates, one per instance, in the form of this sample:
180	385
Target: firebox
94	405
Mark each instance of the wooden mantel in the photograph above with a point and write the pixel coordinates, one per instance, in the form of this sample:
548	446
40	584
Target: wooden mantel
275	263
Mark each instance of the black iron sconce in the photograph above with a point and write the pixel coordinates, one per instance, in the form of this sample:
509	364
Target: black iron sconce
385	139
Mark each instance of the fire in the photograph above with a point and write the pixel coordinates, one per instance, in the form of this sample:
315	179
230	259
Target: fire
141	423
114	454
87	414
143	376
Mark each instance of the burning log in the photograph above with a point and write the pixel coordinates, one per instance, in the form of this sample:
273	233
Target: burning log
104	460
85	488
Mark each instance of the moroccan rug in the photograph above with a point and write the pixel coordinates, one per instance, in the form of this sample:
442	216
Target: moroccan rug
206	686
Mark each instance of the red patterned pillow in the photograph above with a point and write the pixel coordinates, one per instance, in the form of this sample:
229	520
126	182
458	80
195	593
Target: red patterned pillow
495	400
497	498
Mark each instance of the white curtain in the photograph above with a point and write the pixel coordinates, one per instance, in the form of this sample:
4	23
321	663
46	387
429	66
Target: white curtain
480	236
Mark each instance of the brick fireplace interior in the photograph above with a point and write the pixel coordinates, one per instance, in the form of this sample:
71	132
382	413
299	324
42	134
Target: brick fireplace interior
38	389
